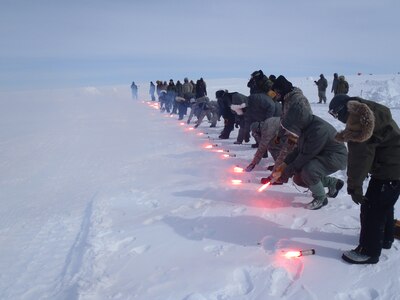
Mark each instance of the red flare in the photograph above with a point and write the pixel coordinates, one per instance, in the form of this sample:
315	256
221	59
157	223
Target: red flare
292	254
236	181
238	170
297	253
264	186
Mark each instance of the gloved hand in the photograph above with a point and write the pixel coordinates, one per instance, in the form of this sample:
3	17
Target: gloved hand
278	171
236	125
265	180
357	195
250	167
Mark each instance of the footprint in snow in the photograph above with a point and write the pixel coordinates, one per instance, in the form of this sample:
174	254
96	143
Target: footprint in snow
140	249
298	223
363	293
152	220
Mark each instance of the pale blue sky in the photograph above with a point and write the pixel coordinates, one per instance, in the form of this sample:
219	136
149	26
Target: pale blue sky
58	43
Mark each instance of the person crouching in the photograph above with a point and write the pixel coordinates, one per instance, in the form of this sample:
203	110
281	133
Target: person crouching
316	156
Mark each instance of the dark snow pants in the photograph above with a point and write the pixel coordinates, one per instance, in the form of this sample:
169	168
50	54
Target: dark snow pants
377	215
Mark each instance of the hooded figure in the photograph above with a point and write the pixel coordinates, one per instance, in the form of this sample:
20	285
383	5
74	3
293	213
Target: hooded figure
288	95
373	140
342	86
316	156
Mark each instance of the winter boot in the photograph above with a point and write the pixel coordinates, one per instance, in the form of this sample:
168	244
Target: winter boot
334	188
237	143
317	203
357	256
319	196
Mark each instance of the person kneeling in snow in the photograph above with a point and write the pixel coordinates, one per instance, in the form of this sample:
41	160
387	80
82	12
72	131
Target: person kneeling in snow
316	155
373	140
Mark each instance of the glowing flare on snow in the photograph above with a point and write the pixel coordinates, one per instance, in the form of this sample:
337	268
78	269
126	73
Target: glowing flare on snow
208	146
296	253
200	133
236	181
292	254
181	123
264	186
238	170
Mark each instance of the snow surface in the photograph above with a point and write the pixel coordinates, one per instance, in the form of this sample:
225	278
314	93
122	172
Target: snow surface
103	197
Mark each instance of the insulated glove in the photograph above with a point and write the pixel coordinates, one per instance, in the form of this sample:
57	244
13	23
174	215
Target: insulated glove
357	196
250	167
278	171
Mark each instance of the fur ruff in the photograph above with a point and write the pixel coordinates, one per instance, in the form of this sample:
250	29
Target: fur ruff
360	123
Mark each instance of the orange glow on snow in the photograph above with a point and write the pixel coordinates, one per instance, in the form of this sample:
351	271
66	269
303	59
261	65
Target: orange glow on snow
208	146
236	181
292	254
238	170
264	186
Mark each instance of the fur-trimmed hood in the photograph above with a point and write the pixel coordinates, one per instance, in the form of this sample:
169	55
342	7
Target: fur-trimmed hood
360	123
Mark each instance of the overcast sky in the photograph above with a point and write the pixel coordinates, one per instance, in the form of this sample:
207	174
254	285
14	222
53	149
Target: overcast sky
58	43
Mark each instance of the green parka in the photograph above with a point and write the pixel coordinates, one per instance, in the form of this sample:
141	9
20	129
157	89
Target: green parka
373	142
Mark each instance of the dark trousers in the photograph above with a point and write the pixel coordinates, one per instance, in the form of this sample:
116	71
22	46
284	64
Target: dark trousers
377	215
229	124
182	109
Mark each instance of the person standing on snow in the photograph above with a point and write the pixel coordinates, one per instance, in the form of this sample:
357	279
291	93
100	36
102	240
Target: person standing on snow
373	140
322	84
201	88
134	89
343	86
316	155
152	90
335	83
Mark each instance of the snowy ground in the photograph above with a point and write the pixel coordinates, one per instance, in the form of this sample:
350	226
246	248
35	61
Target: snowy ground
102	197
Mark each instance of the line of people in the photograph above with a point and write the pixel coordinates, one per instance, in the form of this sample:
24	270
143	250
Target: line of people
339	86
309	150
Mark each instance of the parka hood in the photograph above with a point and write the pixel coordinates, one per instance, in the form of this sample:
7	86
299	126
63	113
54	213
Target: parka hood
296	119
360	123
